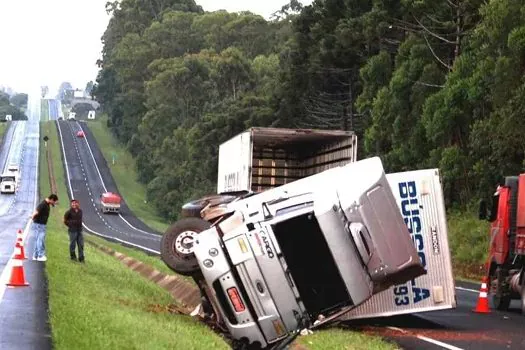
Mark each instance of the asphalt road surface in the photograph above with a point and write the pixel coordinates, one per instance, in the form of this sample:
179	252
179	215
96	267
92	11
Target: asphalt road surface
88	177
23	310
14	142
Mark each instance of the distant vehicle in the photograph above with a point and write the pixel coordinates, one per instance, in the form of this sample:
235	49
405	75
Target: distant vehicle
71	116
13	168
60	118
80	133
7	183
110	202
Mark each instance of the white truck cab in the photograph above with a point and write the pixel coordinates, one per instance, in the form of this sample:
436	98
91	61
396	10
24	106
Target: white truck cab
306	251
7	183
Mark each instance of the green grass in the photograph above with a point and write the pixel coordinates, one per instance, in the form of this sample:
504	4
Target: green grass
343	340
103	304
125	174
44	110
153	261
3	128
469	242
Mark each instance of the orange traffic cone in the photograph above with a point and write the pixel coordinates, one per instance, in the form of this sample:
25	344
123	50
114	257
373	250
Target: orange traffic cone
17	275
483	301
20	244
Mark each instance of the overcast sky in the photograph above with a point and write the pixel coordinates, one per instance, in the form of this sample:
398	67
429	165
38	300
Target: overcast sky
50	41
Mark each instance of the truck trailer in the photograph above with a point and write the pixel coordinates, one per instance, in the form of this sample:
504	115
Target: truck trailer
258	160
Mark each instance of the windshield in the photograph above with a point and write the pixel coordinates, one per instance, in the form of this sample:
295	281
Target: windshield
8	178
494	209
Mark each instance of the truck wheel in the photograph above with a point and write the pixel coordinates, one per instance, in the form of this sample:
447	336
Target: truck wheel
523	299
500	296
176	246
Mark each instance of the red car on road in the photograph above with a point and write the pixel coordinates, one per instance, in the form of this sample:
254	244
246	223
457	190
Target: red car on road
80	133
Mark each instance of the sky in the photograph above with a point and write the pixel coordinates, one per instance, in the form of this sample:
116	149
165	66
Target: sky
51	41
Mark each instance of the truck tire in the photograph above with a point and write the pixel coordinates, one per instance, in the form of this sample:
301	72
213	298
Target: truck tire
176	246
522	299
501	295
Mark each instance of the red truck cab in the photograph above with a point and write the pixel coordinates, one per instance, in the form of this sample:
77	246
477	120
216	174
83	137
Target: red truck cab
110	202
506	260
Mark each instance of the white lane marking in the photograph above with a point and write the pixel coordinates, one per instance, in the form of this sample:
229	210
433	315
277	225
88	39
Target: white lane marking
83	224
438	343
105	189
427	339
467	289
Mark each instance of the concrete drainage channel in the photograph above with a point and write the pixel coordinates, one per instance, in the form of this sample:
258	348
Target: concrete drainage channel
186	294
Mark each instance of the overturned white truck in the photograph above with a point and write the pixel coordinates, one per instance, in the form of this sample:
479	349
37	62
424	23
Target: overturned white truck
298	234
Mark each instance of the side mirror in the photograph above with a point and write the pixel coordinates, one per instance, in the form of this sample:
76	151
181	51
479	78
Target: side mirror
482	215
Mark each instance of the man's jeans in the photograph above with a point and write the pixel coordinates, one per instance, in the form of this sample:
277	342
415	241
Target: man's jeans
40	244
76	238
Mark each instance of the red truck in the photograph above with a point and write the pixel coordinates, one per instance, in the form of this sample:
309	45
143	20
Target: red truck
110	202
506	260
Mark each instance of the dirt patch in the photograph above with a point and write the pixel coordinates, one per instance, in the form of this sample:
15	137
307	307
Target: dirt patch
170	308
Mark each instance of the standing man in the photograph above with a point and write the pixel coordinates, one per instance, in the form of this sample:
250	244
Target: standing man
73	221
39	218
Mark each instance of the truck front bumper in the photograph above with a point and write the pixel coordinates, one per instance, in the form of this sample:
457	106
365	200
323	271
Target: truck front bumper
256	320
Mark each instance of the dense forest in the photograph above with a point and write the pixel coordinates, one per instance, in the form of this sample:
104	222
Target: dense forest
424	83
13	106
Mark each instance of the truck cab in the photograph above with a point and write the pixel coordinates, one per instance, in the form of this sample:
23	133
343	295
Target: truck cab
306	251
7	183
506	260
110	202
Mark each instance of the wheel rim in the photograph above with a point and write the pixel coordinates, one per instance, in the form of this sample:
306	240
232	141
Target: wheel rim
184	243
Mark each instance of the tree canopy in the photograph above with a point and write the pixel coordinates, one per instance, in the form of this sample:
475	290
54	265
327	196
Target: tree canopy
8	106
423	83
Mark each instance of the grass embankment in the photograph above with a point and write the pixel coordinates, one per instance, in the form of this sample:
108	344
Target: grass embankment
125	174
103	304
3	128
44	110
469	243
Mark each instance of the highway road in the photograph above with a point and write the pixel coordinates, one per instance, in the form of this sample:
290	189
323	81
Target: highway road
23	312
14	143
455	329
88	177
55	109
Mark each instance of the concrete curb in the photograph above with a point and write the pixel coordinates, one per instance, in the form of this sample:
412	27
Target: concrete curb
186	294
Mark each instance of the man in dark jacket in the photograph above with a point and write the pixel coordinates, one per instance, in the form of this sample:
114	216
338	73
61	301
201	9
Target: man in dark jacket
40	217
73	221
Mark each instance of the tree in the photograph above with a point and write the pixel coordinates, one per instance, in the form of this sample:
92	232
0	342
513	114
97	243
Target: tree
82	109
19	100
89	88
